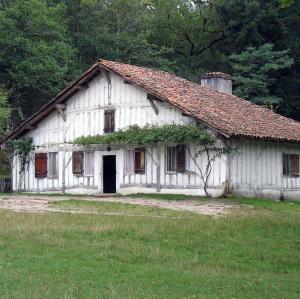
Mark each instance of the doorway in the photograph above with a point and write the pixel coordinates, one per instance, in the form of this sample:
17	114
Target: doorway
109	174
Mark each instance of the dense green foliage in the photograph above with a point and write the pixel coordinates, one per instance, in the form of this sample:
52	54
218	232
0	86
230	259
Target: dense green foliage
22	147
171	134
252	72
35	53
45	44
4	165
145	252
5	111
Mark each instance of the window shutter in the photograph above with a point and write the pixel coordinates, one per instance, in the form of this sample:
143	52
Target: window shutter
285	164
109	121
40	165
139	161
294	165
77	163
53	165
180	158
89	163
129	162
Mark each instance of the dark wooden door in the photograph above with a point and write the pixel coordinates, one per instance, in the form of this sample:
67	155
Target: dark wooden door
109	174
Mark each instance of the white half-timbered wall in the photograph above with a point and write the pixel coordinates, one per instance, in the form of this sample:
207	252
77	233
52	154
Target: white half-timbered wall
85	116
257	169
254	167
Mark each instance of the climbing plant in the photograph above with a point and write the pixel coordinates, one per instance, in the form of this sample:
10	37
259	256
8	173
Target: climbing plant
168	134
151	135
21	148
212	153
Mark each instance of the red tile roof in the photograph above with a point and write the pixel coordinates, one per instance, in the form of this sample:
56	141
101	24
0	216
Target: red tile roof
225	113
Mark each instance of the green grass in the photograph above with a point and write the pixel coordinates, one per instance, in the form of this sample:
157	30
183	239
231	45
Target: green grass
165	196
63	255
116	208
280	208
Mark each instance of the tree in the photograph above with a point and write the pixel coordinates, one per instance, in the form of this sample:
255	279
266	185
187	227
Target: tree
5	112
35	56
115	30
254	72
192	29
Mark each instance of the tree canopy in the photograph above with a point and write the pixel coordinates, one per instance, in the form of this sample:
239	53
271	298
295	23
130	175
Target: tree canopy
46	44
253	70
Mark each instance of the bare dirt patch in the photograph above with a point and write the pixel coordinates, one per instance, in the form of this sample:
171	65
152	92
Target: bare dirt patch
37	203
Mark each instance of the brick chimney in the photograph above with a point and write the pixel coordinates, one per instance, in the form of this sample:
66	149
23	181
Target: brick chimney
219	81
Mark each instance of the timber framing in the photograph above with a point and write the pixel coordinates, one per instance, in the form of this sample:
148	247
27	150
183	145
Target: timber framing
79	84
151	101
156	92
61	110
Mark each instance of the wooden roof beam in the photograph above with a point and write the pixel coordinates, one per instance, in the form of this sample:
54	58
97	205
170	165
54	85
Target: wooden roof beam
82	86
61	110
151	100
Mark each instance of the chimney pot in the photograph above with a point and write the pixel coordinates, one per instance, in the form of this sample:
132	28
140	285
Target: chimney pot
218	81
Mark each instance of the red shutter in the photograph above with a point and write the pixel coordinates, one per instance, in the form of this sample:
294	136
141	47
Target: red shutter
109	121
77	163
180	158
40	165
294	165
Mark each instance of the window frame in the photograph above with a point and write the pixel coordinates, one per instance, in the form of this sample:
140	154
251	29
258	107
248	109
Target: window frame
140	150
132	167
127	162
109	113
287	169
49	175
176	166
85	154
166	160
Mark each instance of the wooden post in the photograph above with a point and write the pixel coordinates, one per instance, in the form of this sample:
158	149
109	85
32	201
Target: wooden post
158	186
61	109
63	183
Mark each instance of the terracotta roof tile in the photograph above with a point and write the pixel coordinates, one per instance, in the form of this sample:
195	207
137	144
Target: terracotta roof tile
226	113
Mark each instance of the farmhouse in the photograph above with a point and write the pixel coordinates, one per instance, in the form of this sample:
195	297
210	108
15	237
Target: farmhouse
263	160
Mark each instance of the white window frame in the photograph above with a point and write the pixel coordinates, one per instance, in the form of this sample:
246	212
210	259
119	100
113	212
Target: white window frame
167	159
85	155
49	174
129	169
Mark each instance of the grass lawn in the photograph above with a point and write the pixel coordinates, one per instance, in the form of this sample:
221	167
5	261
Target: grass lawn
252	254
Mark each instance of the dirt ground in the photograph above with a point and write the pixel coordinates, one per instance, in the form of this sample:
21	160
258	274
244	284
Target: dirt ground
35	203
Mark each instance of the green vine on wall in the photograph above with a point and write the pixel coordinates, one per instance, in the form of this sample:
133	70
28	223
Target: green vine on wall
151	135
22	147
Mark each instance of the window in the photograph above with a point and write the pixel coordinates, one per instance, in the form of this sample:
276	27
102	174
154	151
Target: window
129	162
83	163
135	161
139	161
171	159
290	165
40	165
53	169
89	163
175	159
77	163
109	121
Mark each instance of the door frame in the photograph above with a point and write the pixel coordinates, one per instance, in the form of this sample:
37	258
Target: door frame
111	153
